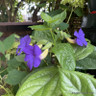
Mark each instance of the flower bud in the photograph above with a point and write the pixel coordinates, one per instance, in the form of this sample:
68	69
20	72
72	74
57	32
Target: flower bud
44	54
40	45
71	40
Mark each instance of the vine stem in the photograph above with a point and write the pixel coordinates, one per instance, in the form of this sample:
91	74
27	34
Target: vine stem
3	71
70	15
4	89
45	62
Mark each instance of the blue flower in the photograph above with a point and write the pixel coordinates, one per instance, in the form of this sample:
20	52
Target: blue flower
24	42
32	56
80	40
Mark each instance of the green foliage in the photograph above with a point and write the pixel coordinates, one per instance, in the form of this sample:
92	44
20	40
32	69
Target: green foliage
78	11
1	34
2	48
8	95
46	31
13	64
45	35
15	77
62	26
42	41
7	43
42	83
89	62
65	55
71	83
82	52
40	27
41	5
59	18
77	84
55	12
74	3
55	20
46	17
20	58
47	46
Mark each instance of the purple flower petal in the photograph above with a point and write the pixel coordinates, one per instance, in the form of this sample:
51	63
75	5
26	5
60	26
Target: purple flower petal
81	33
37	51
25	41
30	64
76	34
28	49
80	40
19	51
36	61
28	39
29	59
85	43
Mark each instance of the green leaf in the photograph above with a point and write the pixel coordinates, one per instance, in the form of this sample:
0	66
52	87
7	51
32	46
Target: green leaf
7	95
40	27
46	17
55	12
63	26
2	48
15	77
42	42
20	58
41	83
43	35
78	11
8	42
88	62
47	46
1	34
41	5
77	84
56	20
82	52
65	55
13	64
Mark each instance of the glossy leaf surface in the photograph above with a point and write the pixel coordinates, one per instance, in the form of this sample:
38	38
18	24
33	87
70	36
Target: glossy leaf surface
42	83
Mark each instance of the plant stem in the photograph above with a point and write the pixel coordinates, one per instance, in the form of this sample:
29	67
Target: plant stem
52	36
45	62
3	71
70	15
5	89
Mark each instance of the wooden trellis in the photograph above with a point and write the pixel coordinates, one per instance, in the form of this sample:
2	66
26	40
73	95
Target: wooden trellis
20	28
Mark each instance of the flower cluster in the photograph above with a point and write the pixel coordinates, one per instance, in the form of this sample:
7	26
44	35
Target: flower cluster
32	53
